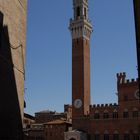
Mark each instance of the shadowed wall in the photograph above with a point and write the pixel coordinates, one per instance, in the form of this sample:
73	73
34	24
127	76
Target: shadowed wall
10	116
137	26
14	12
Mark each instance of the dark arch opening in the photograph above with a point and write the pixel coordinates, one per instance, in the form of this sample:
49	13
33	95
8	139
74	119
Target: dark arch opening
72	139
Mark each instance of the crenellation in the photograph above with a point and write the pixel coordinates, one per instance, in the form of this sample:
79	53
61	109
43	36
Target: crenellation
115	104
106	105
101	106
121	81
132	80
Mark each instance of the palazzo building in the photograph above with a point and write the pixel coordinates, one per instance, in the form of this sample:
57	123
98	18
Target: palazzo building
118	121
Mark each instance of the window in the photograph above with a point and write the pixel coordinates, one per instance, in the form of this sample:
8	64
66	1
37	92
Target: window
135	114
85	12
96	116
126	137
136	137
97	137
125	98
105	116
125	114
77	41
115	115
78	11
116	137
106	136
50	133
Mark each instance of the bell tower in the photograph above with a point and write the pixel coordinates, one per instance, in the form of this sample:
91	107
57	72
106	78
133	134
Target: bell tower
81	29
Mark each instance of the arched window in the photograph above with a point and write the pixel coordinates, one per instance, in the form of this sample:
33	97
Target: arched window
97	136
105	115
106	135
125	113
135	113
115	114
96	115
77	12
85	12
126	136
116	135
136	136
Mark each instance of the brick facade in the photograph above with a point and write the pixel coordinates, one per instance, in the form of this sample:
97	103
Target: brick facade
47	116
114	121
55	129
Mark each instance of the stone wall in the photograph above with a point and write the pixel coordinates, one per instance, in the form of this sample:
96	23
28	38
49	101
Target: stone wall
14	12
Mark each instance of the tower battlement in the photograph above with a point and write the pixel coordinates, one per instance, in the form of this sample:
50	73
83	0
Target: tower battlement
97	106
121	79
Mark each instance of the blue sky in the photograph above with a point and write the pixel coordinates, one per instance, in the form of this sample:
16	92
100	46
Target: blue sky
48	51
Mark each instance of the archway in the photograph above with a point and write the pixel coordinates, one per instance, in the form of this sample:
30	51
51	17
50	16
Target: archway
72	139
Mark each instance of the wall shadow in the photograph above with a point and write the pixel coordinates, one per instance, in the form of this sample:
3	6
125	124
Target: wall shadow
10	118
136	4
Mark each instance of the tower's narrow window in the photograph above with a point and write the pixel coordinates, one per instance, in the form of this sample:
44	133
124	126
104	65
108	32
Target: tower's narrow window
85	12
78	12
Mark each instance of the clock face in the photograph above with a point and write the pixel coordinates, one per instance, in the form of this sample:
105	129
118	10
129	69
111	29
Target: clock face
77	103
136	94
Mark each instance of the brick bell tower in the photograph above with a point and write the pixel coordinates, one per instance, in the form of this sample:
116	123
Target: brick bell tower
81	29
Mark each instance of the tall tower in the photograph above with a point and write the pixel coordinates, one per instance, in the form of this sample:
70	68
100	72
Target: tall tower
81	29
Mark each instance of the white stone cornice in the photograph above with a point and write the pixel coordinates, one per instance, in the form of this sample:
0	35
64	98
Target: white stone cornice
80	28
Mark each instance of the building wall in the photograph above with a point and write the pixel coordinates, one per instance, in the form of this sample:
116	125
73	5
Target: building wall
15	19
44	117
68	112
80	75
55	131
119	118
28	121
35	132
